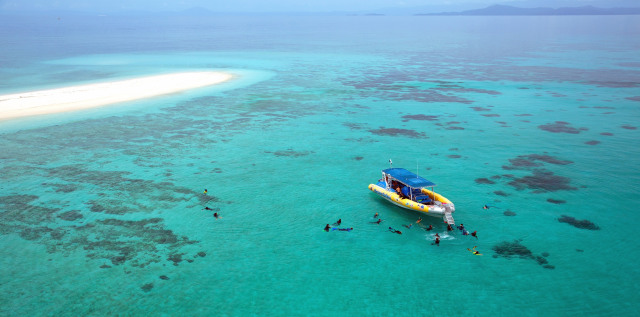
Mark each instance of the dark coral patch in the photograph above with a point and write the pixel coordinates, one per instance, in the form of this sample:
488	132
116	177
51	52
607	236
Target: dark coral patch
491	115
634	98
556	201
454	128
480	109
484	180
290	153
512	249
524	115
163	277
592	142
454	156
398	132
501	193
509	213
542	180
525	162
516	249
147	287
70	215
419	117
561	127
582	224
615	84
629	127
358	158
606	133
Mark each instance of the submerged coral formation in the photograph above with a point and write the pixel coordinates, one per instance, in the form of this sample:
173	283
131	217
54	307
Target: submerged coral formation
582	224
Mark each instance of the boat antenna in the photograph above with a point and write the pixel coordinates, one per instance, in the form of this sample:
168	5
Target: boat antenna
390	163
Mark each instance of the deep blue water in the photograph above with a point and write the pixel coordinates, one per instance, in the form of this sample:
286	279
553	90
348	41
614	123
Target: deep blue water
101	211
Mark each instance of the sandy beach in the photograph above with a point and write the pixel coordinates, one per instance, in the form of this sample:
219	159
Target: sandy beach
100	94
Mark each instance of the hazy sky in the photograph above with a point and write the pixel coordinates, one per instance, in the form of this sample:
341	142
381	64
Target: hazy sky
262	5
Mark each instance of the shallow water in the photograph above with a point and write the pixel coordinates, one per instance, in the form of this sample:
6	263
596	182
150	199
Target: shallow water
102	210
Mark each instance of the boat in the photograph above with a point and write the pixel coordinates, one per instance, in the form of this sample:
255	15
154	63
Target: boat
416	194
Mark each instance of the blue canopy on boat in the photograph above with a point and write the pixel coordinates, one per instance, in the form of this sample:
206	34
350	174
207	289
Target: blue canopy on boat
408	178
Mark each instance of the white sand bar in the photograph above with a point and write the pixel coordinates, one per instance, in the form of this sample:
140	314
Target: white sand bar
100	94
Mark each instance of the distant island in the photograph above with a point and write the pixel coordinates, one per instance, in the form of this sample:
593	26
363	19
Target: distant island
509	10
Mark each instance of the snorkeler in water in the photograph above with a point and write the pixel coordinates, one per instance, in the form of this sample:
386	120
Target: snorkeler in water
419	220
395	231
376	215
207	208
408	226
216	215
327	227
487	207
338	222
342	229
378	222
430	228
437	242
205	191
474	234
474	251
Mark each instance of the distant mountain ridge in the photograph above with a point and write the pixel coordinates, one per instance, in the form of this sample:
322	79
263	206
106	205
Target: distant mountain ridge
510	10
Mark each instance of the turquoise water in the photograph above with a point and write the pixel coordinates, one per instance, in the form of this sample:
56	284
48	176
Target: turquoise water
101	211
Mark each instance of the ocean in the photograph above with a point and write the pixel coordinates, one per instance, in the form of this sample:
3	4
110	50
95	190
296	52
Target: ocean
102	211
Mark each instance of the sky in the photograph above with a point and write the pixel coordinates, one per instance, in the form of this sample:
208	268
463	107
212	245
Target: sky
282	5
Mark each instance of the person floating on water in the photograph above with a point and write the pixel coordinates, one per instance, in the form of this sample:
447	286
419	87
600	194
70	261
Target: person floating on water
327	227
409	226
216	215
395	231
419	220
465	232
376	215
473	234
378	222
487	207
474	251
437	242
337	223
461	227
207	208
342	229
449	228
205	191
430	228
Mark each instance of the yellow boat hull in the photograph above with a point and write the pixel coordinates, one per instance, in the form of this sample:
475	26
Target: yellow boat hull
431	210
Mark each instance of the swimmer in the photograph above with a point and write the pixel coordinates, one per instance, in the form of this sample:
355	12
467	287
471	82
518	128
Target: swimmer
465	232
207	208
474	251
205	191
409	226
473	234
342	229
327	227
376	215
487	207
378	222
216	215
338	222
419	220
395	231
449	228
430	228
461	227
437	242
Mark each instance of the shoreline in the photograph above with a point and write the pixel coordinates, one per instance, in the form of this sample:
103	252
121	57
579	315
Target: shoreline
87	96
